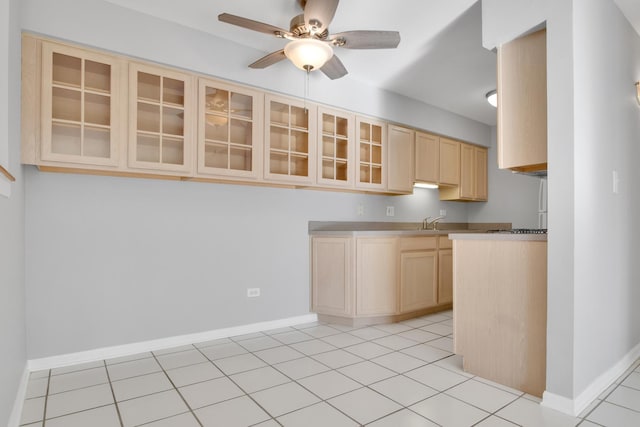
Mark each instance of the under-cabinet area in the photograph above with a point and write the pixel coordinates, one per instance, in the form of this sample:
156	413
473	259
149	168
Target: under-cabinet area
378	277
85	111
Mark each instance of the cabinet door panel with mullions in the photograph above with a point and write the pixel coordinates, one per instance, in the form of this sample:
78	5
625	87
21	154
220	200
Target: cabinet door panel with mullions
290	140
162	113
371	154
335	148
228	130
80	101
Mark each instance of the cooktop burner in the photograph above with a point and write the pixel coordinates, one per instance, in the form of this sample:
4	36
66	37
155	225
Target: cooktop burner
521	231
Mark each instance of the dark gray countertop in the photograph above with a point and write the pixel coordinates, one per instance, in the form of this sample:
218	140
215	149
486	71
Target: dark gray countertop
365	228
498	236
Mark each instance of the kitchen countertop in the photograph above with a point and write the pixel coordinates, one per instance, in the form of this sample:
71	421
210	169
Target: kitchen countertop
364	228
498	236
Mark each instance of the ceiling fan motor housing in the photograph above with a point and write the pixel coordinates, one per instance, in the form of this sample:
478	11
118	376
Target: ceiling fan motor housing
298	28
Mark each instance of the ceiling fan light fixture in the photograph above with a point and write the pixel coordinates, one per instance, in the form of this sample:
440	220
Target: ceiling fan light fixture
308	54
492	98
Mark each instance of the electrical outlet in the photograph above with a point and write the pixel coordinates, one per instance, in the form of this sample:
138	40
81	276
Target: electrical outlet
253	292
391	211
443	212
360	210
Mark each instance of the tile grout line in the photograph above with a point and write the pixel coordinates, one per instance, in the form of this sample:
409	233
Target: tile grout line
367	386
46	399
322	400
304	355
177	390
604	399
237	385
321	339
296	381
113	394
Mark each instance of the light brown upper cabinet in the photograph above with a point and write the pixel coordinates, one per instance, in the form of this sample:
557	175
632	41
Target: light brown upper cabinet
400	159
336	157
88	111
162	106
289	140
427	158
473	176
70	106
522	103
449	162
229	130
371	153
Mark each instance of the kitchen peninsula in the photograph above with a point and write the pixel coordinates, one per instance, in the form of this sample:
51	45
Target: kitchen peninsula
380	272
500	317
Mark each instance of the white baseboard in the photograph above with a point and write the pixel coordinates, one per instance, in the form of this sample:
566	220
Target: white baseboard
575	406
16	412
161	344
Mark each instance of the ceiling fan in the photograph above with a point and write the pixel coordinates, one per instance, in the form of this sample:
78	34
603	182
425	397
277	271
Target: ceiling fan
310	45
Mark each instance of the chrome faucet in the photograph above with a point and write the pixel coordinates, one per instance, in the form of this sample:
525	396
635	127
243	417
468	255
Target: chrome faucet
430	223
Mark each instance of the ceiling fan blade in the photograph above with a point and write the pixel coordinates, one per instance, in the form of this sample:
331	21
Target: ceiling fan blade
318	14
269	59
367	39
251	24
334	69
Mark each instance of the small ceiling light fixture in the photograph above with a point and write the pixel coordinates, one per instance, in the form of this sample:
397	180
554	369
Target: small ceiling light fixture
424	185
492	97
308	54
638	92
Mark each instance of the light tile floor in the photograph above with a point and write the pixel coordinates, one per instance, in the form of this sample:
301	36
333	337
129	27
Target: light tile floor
318	374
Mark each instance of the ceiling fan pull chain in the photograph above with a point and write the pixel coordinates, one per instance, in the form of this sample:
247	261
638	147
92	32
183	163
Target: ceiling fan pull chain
306	89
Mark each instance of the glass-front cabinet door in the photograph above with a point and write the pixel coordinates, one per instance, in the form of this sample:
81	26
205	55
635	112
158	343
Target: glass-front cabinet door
228	130
371	153
335	147
290	140
161	118
80	102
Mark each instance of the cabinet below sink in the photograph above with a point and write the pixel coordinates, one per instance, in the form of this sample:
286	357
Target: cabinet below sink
366	279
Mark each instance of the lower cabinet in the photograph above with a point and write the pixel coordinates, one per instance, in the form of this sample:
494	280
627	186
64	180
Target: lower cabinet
379	279
418	273
445	270
333	292
376	272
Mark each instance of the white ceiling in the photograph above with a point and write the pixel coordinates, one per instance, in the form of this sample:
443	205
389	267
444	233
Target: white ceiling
440	59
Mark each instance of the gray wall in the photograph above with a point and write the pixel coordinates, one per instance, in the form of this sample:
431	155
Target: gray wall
118	260
561	257
114	260
12	246
607	135
593	273
512	197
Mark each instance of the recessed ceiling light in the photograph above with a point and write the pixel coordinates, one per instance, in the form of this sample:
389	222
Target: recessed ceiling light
492	97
